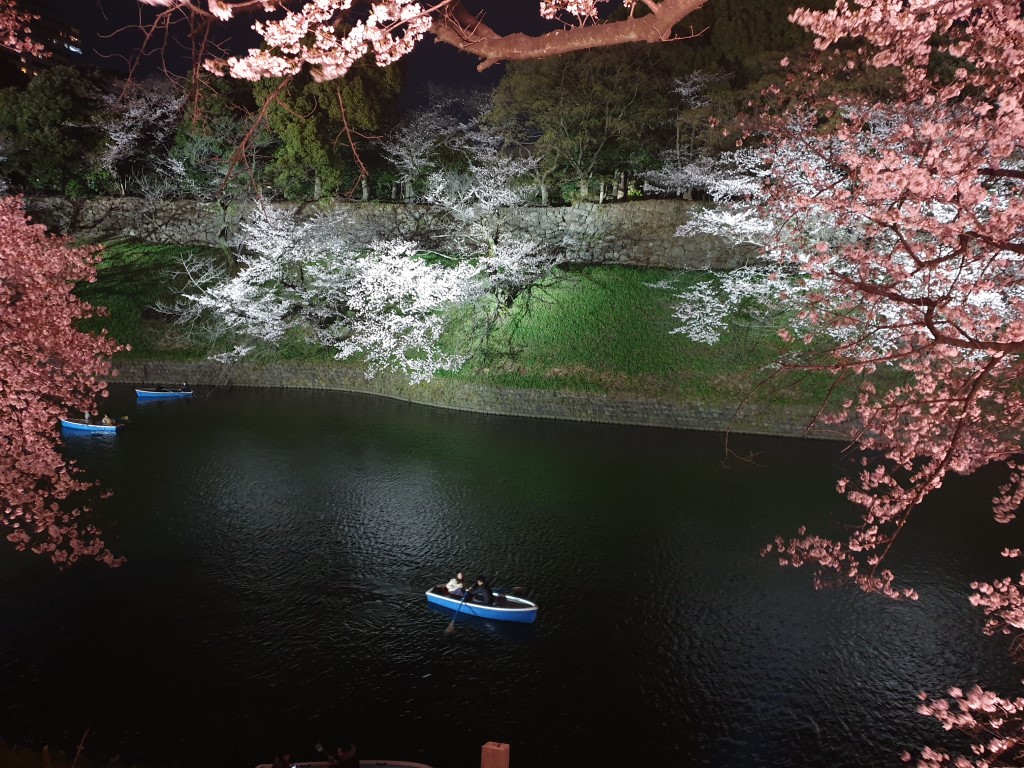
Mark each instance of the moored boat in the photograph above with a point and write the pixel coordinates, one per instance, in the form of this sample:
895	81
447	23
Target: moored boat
505	607
85	426
163	392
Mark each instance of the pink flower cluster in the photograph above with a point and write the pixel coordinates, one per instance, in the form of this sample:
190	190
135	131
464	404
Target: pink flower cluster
314	35
996	723
922	249
14	29
48	367
330	35
580	10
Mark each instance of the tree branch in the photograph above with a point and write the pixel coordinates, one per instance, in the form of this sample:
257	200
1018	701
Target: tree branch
460	29
1003	173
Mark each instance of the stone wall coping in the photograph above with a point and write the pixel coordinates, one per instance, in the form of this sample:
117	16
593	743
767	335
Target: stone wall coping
636	232
480	398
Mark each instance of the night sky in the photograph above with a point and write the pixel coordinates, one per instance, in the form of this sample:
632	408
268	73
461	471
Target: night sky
111	35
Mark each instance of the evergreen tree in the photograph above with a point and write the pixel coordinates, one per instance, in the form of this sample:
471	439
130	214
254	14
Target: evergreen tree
582	110
316	126
51	133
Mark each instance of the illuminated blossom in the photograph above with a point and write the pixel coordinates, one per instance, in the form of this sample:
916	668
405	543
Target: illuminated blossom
15	29
330	35
49	369
894	231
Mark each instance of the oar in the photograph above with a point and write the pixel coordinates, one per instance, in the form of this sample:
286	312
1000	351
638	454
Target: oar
508	590
330	758
451	625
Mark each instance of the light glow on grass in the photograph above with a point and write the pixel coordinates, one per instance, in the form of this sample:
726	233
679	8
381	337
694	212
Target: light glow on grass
600	329
606	329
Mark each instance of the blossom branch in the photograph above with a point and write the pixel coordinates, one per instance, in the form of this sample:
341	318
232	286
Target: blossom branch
329	36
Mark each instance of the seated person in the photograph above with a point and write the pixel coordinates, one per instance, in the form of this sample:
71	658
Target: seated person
481	593
455	586
106	420
345	756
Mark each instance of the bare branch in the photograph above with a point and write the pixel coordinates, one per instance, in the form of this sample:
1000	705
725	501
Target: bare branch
458	28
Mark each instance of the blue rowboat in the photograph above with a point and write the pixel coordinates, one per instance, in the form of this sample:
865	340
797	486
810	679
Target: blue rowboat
505	608
163	392
84	426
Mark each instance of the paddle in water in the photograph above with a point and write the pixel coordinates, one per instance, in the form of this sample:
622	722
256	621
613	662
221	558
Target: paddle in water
450	629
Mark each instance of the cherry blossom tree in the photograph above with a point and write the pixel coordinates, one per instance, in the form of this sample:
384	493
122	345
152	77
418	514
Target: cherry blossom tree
893	230
387	301
683	166
331	35
415	146
49	368
383	300
471	199
903	221
219	131
15	28
139	124
396	301
470	207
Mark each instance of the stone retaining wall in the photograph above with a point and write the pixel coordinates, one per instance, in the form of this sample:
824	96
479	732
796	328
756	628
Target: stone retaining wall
570	406
638	233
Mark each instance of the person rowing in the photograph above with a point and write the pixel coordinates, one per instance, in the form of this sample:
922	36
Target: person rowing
481	593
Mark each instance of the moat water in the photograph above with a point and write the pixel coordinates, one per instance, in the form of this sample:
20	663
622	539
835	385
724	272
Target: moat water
279	543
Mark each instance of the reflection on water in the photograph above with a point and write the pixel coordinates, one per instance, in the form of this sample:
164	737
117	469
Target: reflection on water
279	545
507	631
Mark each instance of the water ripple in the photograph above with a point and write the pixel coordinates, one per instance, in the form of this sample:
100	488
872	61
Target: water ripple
280	543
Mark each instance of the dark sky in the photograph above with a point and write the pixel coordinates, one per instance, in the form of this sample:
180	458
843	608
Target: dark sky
111	35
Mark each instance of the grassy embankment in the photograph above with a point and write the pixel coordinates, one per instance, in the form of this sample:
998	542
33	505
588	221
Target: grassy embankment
597	329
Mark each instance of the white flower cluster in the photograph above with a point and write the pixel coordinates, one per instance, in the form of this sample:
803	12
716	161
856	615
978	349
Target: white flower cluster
580	10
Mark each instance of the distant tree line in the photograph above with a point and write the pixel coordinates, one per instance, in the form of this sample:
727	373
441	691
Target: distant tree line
597	124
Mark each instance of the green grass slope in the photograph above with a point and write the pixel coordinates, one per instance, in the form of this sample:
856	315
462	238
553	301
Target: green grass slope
602	329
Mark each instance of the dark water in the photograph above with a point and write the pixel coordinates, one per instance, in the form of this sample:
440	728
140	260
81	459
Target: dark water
279	544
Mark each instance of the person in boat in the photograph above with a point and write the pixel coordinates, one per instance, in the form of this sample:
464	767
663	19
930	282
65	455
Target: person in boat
87	417
345	756
284	760
456	586
481	593
107	421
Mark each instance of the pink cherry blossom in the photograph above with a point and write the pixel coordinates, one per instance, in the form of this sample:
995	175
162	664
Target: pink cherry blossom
896	233
15	29
330	35
49	368
895	228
